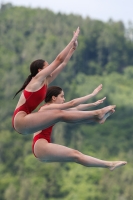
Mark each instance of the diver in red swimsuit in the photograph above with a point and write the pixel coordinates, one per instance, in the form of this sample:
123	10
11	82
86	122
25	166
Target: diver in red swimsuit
46	151
35	87
44	134
29	104
42	74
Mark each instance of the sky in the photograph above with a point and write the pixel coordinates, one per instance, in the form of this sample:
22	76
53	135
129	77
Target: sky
96	9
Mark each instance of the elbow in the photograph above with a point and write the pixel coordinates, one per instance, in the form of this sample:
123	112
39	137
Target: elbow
59	59
73	103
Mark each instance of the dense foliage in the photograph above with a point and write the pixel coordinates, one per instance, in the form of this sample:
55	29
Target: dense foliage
104	55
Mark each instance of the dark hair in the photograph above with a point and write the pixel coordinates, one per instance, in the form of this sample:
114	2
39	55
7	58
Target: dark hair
34	66
52	91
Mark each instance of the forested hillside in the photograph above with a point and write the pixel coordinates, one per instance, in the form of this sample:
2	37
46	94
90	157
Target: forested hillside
104	55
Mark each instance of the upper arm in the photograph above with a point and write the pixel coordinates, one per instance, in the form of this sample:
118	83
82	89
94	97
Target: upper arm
53	106
44	73
60	67
54	74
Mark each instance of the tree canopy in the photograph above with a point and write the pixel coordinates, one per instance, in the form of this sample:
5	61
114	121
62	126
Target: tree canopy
104	55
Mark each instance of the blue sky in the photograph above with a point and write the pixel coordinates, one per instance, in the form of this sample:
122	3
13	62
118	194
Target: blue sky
96	9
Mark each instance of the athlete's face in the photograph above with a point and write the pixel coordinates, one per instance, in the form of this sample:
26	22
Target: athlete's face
44	66
60	98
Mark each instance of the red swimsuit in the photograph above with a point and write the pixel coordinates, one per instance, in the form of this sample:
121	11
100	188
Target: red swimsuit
44	134
33	99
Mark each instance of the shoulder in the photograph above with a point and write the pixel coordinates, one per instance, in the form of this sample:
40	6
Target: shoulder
44	107
34	84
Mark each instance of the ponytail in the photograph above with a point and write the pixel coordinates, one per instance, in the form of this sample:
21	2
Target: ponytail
24	85
34	66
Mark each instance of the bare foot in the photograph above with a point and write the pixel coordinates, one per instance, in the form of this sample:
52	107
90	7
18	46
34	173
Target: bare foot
101	121
105	110
116	164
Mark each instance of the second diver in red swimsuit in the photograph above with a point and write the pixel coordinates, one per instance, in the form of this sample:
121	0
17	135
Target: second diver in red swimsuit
46	151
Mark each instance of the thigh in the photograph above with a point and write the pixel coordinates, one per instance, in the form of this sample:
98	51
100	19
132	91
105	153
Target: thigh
31	123
49	152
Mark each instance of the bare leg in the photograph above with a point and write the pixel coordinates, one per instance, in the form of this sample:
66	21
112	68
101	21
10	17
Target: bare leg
31	123
48	152
100	121
106	116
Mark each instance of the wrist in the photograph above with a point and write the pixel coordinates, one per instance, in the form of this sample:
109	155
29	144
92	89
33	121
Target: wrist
92	94
74	48
94	104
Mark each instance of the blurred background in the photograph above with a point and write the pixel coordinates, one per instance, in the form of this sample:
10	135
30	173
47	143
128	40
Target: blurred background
30	30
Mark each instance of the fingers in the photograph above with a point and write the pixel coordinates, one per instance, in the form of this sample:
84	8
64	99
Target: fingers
97	89
103	99
100	101
78	30
76	33
100	86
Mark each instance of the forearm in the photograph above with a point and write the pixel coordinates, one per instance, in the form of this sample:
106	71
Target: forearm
84	106
81	100
71	44
87	106
64	53
58	60
57	71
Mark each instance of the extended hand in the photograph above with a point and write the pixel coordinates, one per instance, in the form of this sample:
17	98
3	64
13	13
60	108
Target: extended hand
98	89
76	34
99	101
75	44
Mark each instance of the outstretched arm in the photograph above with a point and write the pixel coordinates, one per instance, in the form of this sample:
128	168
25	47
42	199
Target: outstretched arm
73	103
61	66
58	60
89	105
